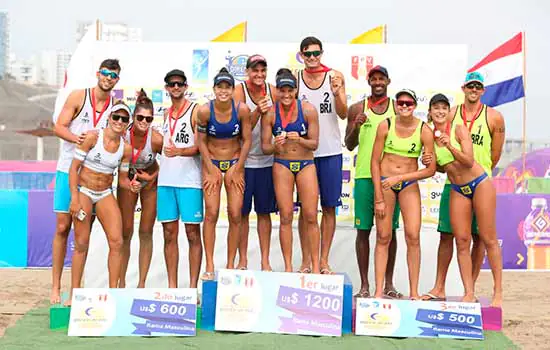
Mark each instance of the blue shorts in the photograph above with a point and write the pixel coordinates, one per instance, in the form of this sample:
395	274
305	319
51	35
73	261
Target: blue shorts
329	175
469	189
185	203
295	166
259	184
62	193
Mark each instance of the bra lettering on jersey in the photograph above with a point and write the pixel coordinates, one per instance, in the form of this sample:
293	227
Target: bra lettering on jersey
325	106
477	138
413	148
182	136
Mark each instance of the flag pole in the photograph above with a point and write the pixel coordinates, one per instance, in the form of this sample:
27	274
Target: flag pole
385	34
524	136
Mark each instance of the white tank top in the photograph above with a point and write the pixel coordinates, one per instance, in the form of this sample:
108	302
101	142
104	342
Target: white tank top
256	158
180	171
84	121
147	157
101	161
330	139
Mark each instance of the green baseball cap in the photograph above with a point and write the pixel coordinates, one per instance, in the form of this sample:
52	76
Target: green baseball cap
474	77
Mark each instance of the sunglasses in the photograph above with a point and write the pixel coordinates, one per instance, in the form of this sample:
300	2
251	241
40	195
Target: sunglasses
316	53
403	103
140	118
175	83
124	118
108	73
476	86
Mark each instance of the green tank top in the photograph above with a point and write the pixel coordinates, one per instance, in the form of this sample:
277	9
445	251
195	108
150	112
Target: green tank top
405	147
481	137
443	155
367	135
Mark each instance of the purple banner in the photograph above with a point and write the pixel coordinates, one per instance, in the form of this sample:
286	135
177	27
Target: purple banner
537	164
312	311
523	229
164	317
41	230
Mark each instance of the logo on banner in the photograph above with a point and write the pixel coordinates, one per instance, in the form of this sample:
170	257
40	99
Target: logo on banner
295	62
118	94
236	65
200	66
360	66
156	96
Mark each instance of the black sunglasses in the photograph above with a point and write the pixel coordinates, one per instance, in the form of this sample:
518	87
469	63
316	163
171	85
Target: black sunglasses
124	118
140	118
404	103
473	86
315	53
175	83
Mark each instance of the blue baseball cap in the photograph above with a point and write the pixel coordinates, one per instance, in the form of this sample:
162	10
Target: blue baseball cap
286	80
474	77
379	69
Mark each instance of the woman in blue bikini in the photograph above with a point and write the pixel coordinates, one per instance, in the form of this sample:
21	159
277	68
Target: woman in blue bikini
224	138
472	189
295	127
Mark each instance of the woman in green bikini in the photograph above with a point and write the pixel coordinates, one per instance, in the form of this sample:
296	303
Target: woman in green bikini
472	189
394	167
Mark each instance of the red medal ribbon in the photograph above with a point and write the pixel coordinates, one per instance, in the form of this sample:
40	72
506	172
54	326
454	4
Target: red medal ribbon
96	120
323	69
254	88
380	101
285	119
171	117
135	155
465	120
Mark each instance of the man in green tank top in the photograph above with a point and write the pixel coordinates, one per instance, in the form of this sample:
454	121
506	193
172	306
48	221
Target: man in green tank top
487	130
363	119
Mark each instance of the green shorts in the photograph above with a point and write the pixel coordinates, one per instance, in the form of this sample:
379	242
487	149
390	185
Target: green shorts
363	194
444	225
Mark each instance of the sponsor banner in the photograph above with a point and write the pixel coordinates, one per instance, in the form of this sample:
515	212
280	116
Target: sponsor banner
133	312
273	302
422	319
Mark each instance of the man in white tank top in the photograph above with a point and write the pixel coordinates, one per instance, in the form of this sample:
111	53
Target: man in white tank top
84	110
179	194
257	94
325	89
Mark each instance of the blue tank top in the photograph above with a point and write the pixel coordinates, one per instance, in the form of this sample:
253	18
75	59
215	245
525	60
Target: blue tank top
299	125
224	130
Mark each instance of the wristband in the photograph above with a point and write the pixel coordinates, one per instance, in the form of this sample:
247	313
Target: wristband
124	166
201	128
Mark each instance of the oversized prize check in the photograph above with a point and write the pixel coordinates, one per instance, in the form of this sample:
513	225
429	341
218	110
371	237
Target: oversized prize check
133	312
276	302
407	318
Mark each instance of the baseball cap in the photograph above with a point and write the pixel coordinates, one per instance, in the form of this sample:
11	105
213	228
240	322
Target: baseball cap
224	76
286	80
175	73
380	69
408	92
255	60
439	98
474	77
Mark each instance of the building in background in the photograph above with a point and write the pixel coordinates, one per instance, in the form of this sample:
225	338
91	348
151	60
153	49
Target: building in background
51	67
113	31
25	71
4	43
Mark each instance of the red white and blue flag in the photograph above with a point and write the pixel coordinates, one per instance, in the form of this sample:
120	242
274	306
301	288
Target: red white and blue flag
503	72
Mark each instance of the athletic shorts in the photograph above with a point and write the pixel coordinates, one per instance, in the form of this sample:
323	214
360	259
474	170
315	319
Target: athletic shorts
444	225
62	193
363	196
179	202
329	175
259	185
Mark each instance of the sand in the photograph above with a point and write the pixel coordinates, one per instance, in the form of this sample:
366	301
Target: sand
526	301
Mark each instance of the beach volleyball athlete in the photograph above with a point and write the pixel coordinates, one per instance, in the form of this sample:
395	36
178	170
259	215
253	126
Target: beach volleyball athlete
146	143
294	124
363	119
258	168
84	110
179	195
90	180
394	166
224	143
471	190
324	88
